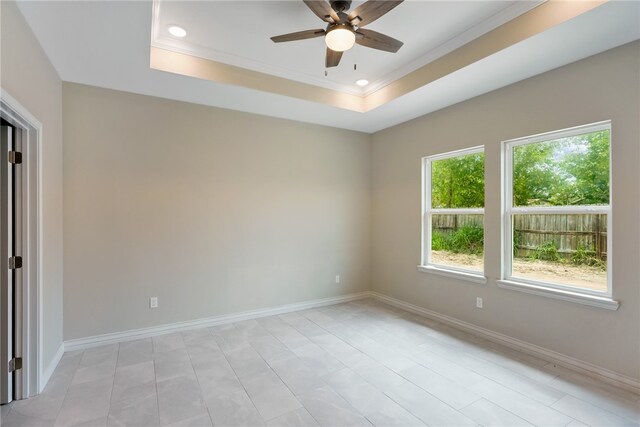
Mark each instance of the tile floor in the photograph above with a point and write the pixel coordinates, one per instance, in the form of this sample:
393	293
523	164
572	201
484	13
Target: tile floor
359	363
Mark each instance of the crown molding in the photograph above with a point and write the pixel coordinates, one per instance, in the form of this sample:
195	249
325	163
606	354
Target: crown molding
167	43
445	60
495	21
158	40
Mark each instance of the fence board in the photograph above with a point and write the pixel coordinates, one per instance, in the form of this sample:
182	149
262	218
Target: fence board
569	233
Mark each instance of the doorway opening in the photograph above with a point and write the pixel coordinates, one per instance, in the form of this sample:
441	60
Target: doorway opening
20	256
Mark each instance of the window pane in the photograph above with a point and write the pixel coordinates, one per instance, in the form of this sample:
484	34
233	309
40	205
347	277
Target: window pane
458	241
564	249
562	172
458	182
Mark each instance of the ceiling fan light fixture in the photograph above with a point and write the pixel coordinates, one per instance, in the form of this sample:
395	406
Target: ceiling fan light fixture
340	38
177	31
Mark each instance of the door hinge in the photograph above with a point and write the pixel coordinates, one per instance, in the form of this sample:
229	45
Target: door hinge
15	262
15	157
15	364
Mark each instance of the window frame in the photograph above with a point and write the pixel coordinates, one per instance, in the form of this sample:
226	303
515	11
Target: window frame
565	291
428	211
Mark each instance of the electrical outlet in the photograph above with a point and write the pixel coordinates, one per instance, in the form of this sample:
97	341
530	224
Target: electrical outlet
153	302
479	302
337	278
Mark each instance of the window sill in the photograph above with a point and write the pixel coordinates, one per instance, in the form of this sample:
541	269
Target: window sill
469	277
575	297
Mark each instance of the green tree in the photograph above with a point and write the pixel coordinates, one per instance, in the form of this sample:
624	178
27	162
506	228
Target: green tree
588	167
458	182
566	171
534	174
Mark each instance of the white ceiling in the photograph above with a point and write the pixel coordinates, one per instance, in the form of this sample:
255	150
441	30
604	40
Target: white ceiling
237	33
107	44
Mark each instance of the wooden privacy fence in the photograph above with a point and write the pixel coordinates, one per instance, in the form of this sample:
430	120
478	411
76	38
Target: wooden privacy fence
569	233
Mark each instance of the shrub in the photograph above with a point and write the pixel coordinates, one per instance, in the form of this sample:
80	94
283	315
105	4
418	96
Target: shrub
548	251
583	256
517	241
439	241
466	240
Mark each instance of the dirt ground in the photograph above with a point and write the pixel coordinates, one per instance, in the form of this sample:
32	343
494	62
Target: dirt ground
583	276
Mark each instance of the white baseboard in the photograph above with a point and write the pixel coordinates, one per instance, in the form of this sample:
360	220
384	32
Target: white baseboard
135	334
569	362
46	374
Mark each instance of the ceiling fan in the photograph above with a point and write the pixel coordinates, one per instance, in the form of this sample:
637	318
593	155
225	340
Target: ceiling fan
345	28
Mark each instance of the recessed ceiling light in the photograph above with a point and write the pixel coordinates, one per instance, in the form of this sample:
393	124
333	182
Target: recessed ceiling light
176	31
362	82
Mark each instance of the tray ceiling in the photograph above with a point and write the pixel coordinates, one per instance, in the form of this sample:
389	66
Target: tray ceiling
110	44
238	33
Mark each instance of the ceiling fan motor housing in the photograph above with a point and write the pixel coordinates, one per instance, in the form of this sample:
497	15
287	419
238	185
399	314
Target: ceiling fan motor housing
340	5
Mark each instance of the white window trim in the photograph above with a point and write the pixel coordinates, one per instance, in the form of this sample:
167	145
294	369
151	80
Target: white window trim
425	249
553	290
560	294
448	271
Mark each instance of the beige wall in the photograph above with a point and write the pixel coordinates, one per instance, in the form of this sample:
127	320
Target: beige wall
602	87
28	76
217	212
210	210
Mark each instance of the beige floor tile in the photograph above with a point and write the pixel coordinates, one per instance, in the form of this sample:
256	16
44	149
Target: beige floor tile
358	363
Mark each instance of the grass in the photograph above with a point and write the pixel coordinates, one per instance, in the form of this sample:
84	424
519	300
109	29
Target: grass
470	240
547	251
583	256
466	240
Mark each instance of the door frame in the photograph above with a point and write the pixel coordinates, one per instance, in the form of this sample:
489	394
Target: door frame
33	376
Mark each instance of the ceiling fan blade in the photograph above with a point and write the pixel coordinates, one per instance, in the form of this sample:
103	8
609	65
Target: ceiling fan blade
323	10
300	35
332	59
376	40
370	11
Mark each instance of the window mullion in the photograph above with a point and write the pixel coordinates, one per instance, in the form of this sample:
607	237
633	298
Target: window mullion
560	210
457	211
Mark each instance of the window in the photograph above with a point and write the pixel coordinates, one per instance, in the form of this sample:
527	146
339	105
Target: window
453	213
557	217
